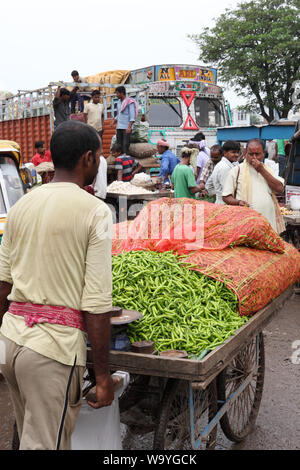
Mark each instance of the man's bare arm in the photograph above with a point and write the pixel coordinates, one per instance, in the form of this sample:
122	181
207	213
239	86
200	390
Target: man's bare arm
98	330
5	290
232	201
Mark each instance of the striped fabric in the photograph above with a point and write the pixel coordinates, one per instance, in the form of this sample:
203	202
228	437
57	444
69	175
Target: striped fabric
125	163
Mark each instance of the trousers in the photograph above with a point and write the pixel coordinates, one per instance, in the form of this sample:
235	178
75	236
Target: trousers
46	397
124	140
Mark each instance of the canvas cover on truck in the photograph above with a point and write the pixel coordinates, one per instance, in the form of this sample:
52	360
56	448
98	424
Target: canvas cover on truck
114	76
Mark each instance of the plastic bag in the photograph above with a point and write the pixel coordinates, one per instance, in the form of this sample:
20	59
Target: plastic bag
99	429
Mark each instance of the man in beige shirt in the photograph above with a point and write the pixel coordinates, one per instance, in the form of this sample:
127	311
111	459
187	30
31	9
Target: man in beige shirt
55	270
94	113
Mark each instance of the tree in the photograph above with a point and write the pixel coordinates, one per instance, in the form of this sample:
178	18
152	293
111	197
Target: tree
256	49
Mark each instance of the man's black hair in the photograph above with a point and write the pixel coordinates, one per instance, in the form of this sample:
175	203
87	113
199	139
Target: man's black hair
199	136
217	148
96	92
256	141
38	144
117	148
121	89
64	91
231	145
70	141
74	73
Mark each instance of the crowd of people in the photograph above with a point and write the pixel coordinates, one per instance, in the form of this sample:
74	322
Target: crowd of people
232	174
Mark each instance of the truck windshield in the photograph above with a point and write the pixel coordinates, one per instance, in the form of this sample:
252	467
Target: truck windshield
12	180
209	113
164	111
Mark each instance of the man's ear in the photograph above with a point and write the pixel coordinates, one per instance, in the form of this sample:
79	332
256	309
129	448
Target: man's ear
87	157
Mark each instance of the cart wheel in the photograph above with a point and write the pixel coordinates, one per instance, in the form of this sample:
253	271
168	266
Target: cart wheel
15	440
173	427
239	420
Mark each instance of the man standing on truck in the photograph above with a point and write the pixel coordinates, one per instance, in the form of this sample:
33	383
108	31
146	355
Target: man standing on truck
61	106
127	111
94	113
67	293
77	93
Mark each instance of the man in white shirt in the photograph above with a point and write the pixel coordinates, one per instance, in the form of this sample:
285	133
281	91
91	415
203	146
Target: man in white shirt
253	184
100	184
216	181
94	113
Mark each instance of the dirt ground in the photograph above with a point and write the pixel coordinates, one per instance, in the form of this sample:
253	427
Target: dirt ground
278	422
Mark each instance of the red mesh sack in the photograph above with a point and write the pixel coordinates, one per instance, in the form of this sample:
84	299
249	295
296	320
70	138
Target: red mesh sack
256	276
185	225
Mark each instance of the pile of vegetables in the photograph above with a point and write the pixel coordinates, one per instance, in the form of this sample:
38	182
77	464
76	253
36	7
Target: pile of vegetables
182	309
125	187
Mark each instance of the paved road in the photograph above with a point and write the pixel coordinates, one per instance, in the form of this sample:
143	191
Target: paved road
278	422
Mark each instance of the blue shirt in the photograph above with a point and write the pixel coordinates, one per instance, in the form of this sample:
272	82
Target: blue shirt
168	163
126	116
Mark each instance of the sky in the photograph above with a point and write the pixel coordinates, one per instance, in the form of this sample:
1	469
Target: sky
43	42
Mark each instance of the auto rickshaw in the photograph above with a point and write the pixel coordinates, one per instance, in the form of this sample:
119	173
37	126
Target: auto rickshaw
12	187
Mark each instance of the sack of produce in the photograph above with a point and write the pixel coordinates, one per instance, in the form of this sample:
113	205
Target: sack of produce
44	167
184	224
238	248
140	132
143	180
149	162
142	150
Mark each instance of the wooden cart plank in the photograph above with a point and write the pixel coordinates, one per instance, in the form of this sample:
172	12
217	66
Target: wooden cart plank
202	371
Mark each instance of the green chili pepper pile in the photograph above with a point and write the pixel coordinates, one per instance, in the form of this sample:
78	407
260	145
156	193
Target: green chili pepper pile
182	309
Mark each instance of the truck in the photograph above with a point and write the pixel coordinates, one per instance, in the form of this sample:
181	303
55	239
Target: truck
178	101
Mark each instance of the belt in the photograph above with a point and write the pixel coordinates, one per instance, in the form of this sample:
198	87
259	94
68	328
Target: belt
36	313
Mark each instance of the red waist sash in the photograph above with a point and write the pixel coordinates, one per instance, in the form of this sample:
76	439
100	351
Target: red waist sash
36	313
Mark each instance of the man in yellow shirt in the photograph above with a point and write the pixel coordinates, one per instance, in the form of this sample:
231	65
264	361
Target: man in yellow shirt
94	113
55	270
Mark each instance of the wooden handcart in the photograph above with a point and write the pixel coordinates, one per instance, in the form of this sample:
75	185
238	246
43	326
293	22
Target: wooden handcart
184	400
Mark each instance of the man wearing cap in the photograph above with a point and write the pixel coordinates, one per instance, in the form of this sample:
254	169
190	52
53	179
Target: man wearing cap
168	160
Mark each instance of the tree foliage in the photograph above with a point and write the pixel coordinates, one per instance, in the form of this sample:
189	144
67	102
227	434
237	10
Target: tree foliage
256	49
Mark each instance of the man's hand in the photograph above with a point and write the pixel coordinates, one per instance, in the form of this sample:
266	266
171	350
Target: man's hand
104	392
243	204
5	290
257	164
128	130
